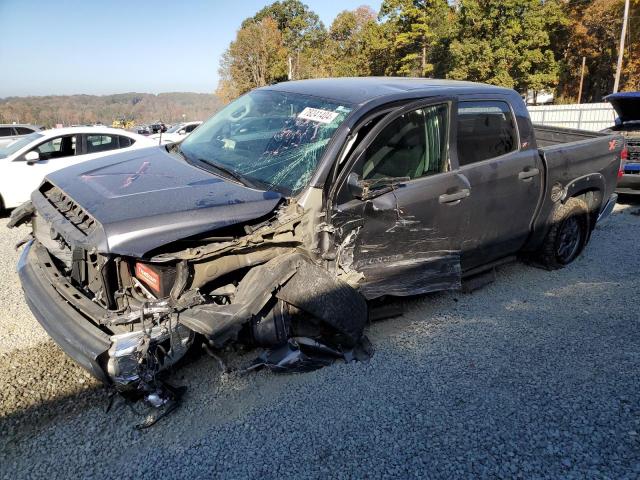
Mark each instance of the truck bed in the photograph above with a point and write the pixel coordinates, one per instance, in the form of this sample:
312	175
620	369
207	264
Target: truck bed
550	136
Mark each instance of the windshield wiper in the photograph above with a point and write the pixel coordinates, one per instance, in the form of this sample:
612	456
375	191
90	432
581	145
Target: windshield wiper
226	172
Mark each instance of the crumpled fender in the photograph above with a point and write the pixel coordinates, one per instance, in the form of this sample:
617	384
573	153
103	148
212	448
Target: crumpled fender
293	278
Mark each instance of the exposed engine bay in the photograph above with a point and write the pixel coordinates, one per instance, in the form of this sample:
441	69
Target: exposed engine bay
258	285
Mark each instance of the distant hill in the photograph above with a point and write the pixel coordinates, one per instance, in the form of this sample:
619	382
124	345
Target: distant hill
87	109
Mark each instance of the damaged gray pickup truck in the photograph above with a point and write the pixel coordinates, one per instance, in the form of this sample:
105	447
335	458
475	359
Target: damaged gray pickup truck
278	220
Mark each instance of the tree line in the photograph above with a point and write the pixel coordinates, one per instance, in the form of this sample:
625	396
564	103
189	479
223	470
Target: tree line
90	109
528	45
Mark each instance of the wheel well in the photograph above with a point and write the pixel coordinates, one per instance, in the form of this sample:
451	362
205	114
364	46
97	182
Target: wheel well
593	198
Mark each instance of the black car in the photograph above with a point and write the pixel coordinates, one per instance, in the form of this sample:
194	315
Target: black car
627	106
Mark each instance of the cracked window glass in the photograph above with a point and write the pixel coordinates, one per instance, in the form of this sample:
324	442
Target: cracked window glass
267	139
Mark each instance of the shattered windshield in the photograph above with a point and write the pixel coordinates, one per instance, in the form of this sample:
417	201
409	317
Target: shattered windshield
271	139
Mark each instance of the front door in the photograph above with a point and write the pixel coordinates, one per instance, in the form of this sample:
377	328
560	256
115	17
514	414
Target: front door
404	236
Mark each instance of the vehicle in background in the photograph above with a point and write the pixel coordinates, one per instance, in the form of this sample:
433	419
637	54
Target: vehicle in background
176	133
157	128
11	132
122	123
142	130
24	162
278	218
627	106
534	97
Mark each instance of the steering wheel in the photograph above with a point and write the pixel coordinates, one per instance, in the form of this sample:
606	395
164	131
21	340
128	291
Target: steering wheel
240	114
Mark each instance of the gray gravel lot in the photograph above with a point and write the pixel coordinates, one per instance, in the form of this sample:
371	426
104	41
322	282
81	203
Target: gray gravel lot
534	376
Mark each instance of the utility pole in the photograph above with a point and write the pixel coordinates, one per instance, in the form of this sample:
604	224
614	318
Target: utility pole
625	18
584	59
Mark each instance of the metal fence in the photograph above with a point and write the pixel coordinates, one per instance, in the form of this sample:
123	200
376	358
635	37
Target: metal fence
586	116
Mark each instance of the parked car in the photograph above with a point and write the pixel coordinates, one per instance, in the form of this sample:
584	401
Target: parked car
11	132
177	132
627	106
278	219
543	97
25	162
142	130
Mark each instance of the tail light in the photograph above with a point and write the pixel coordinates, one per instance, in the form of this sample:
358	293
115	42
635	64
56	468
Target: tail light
158	278
624	156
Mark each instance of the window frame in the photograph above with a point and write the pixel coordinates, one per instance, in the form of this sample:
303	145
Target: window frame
388	118
129	139
514	118
51	139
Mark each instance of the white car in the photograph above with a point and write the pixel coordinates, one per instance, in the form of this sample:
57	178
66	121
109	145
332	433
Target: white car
25	161
176	133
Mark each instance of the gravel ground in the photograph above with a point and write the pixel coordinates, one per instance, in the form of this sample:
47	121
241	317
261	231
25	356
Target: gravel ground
534	376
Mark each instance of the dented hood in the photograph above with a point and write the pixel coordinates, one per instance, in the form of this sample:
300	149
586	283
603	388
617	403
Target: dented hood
626	105
148	198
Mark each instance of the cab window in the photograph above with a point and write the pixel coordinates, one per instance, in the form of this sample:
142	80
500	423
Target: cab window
413	145
486	129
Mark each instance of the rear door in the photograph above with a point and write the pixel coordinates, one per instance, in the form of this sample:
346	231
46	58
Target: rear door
406	238
505	178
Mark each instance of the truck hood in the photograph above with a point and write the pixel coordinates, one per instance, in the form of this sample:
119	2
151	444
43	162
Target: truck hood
148	198
626	105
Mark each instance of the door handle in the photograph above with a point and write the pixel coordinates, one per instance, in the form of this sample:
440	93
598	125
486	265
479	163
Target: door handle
528	174
454	197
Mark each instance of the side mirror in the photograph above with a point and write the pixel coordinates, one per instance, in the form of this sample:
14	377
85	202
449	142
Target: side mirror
368	189
355	185
182	132
32	157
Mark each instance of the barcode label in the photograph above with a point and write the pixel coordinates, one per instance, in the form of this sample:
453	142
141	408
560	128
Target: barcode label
317	115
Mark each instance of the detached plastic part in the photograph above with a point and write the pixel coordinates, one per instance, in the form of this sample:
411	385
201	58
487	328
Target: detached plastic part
302	354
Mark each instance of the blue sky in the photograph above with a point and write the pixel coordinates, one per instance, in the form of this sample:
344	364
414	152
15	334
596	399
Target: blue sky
102	46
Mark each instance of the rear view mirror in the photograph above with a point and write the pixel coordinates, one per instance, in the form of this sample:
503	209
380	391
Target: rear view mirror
32	157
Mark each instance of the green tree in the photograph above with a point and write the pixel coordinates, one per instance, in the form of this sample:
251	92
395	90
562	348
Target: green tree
303	34
254	59
507	43
593	32
417	31
354	43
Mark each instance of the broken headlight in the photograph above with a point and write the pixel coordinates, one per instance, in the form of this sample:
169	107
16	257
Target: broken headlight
136	355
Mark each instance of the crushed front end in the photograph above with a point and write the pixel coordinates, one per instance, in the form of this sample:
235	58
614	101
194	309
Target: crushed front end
126	319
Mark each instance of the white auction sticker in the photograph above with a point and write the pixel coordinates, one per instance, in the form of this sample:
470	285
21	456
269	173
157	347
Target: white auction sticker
317	115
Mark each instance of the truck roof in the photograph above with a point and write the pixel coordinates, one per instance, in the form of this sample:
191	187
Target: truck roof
360	90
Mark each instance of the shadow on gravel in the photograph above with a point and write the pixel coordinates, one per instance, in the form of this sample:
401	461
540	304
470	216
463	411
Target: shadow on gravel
40	384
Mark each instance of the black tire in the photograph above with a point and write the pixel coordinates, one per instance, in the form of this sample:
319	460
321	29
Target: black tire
569	233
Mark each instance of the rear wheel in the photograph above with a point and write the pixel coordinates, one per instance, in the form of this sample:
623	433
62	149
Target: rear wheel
568	235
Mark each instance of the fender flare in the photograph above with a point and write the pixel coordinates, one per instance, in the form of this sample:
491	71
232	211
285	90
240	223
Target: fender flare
591	181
